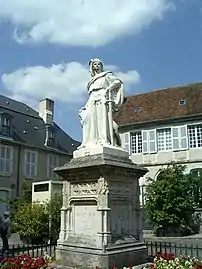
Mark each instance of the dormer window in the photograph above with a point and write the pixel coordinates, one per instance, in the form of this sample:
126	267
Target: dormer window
182	102
5	123
50	136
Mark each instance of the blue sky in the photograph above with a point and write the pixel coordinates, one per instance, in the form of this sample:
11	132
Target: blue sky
45	48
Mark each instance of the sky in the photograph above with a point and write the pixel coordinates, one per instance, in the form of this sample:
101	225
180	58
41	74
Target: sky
45	47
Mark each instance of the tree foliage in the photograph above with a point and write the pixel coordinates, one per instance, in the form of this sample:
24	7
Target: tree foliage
53	210
35	220
170	202
31	220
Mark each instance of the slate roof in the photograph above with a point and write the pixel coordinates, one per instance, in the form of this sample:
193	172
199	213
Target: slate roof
29	129
161	105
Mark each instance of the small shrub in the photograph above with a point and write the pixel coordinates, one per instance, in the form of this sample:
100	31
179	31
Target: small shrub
31	220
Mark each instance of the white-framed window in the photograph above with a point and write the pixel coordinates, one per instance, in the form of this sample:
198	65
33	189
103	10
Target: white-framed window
6	159
30	163
52	162
179	138
164	139
125	141
195	136
149	141
136	142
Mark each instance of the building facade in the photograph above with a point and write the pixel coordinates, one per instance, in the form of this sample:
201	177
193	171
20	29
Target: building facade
163	126
31	145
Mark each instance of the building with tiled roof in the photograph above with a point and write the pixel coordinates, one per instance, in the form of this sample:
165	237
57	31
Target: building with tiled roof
163	126
31	145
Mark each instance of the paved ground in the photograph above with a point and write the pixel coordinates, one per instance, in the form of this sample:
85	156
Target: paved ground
149	234
192	239
14	239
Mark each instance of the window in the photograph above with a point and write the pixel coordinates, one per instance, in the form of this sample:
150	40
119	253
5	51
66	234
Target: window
53	161
50	139
164	140
149	141
195	136
182	102
41	187
6	124
6	159
125	141
30	169
196	172
136	142
52	134
138	109
179	138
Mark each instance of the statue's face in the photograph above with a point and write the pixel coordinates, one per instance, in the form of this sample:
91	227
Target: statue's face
97	67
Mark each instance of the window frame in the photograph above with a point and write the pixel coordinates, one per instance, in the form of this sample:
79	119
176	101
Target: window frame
195	135
4	160
53	174
30	163
138	136
171	139
6	128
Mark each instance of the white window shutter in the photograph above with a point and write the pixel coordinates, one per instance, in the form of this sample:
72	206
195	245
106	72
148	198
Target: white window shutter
183	137
145	148
152	141
126	142
176	138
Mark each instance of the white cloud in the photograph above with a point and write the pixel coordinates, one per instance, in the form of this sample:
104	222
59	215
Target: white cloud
64	82
80	22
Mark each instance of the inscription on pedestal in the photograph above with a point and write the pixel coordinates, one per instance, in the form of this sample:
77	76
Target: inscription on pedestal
87	219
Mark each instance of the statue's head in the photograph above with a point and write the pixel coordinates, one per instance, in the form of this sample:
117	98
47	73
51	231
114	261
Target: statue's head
96	66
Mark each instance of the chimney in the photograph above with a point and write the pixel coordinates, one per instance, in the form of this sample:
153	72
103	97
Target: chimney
46	110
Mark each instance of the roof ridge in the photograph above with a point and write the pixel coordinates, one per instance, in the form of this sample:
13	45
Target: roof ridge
166	88
19	112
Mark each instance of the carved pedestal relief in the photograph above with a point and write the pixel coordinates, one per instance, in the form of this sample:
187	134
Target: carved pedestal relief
90	188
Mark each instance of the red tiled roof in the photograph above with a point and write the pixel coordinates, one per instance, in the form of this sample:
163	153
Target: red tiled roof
161	104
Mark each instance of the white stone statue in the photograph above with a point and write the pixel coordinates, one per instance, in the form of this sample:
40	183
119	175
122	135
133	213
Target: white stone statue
106	96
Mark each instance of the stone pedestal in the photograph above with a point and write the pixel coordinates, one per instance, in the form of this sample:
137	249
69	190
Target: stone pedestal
100	219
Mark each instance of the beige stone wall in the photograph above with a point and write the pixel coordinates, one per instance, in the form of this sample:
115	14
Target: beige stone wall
12	182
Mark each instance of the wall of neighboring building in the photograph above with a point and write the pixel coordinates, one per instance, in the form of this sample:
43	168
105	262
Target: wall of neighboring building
180	142
19	163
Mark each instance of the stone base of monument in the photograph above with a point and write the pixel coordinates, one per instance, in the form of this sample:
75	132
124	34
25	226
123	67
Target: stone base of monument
74	256
101	217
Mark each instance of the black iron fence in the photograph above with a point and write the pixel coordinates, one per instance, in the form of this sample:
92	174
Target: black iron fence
183	249
153	247
32	250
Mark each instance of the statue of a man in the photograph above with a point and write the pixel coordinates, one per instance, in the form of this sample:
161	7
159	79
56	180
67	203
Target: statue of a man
106	95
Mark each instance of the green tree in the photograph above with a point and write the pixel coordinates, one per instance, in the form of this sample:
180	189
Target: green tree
38	221
169	201
53	209
31	221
